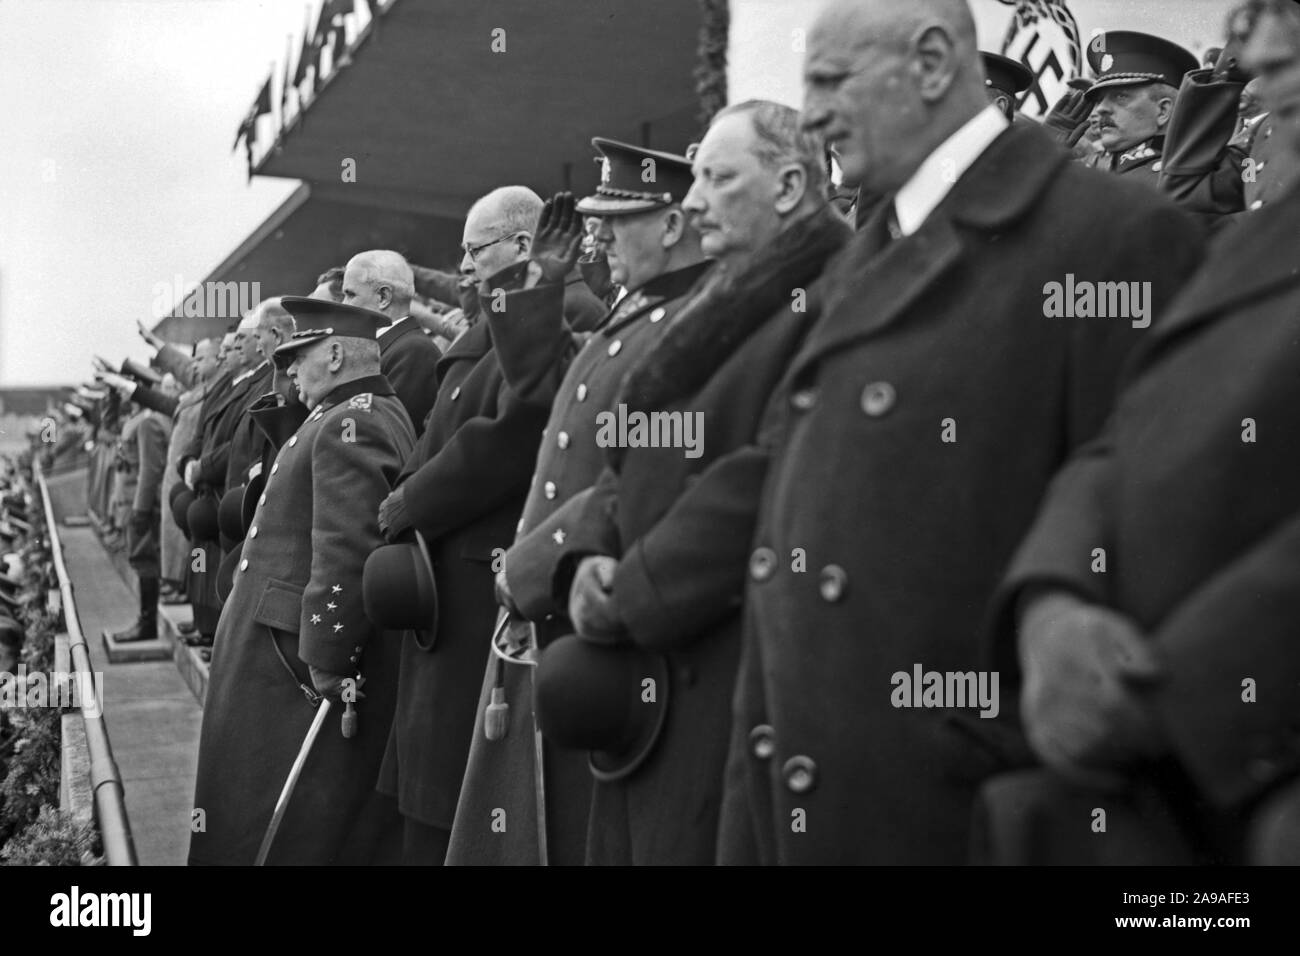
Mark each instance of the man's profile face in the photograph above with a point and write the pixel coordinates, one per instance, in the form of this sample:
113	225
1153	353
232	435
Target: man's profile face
207	359
310	372
861	97
1127	116
489	245
364	292
634	247
732	201
266	341
1273	52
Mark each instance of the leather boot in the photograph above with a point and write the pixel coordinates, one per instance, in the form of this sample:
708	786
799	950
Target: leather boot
146	626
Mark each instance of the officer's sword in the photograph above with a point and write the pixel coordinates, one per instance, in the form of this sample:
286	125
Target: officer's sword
322	711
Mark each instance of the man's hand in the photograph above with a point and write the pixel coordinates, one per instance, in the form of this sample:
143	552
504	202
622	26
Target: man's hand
191	473
592	607
1069	117
595	272
328	684
1081	662
124	386
154	340
558	242
504	598
393	519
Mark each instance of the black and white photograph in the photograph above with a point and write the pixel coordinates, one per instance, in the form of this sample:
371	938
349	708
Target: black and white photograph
614	433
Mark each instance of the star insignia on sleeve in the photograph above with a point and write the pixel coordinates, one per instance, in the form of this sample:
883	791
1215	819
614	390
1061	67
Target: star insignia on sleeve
336	589
331	606
558	536
315	618
337	628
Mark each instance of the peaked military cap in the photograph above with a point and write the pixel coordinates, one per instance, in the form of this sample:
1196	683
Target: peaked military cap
629	184
1005	74
317	319
1126	58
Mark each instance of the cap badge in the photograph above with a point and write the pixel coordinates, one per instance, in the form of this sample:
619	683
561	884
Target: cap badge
1107	62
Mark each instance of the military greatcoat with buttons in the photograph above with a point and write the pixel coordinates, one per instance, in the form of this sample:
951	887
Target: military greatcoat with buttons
465	485
680	527
296	601
924	416
1194	493
500	772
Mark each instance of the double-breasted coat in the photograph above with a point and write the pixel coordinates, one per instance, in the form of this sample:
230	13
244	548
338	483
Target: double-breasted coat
464	487
296	601
1193	493
917	430
499	773
679	521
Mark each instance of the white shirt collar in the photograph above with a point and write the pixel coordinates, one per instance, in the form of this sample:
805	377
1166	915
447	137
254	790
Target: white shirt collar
244	376
935	177
391	328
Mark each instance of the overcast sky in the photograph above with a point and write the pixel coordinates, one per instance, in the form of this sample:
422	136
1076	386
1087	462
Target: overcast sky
116	121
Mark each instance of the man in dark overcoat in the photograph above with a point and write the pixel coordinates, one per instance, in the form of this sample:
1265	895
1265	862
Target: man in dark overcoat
463	488
660	543
1156	594
294	628
654	252
916	432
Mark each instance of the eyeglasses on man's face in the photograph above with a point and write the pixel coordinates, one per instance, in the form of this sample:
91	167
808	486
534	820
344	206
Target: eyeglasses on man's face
473	251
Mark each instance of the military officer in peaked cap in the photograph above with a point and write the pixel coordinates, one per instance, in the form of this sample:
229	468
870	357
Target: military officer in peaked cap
1138	76
294	629
654	252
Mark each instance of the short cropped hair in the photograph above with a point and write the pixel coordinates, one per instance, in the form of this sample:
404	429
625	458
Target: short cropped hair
781	140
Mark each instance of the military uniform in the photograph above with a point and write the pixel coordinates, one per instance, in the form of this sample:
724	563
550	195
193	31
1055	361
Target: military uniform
500	773
297	601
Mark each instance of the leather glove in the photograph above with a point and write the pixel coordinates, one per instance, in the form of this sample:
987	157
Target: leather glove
1081	664
504	598
1069	117
326	683
393	519
558	241
592	607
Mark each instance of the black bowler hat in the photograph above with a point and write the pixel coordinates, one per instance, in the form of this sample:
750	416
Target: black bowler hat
398	590
633	179
589	696
181	508
1005	74
202	520
318	319
225	582
1126	58
230	514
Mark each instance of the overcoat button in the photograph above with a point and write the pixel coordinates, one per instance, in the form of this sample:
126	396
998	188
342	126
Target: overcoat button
762	564
582	392
252	532
548	489
1156	166
800	774
658	314
275	468
615	347
804	399
834	581
293	440
762	742
262	500
1256	205
562	439
243	565
520	526
455	393
878	398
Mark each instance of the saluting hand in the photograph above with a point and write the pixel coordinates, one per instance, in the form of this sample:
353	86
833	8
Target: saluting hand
558	242
1069	117
1081	664
592	607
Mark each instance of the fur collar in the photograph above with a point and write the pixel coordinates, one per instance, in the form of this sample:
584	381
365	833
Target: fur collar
729	309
